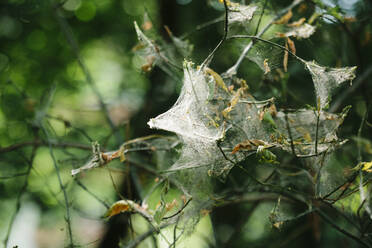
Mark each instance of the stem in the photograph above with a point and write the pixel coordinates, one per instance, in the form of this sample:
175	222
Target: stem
202	26
209	58
254	38
329	220
363	196
259	20
345	94
233	70
66	29
20	193
68	217
290	134
317	130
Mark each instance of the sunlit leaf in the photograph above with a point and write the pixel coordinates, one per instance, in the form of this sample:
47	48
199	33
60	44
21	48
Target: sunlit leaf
117	208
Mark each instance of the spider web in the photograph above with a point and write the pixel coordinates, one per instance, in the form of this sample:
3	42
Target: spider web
212	119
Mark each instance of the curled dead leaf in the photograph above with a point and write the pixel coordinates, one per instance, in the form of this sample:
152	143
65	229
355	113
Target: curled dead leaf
285	18
147	25
248	145
297	23
149	64
217	78
266	66
117	208
291	45
285	58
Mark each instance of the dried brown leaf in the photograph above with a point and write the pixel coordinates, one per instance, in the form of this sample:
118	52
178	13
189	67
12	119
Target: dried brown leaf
248	145
217	78
292	46
117	208
285	59
297	23
284	19
266	66
281	35
147	25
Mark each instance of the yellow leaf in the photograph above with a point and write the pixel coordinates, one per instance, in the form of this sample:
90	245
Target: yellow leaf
217	78
169	32
117	208
367	166
307	137
212	121
229	3
122	154
278	224
233	102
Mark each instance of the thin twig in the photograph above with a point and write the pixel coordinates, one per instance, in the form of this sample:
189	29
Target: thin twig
68	124
179	211
261	15
290	134
91	193
363	195
20	193
44	143
115	187
67	31
341	213
341	230
202	26
317	130
15	175
346	93
67	206
349	181
233	70
155	49
352	191
226	27
145	235
174	235
257	38
241	223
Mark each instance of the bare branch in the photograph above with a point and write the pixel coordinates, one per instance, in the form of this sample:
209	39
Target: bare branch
233	70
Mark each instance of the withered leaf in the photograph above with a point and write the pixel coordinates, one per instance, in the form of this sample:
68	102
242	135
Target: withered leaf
297	23
284	19
285	59
266	66
233	102
117	208
217	78
291	45
248	145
